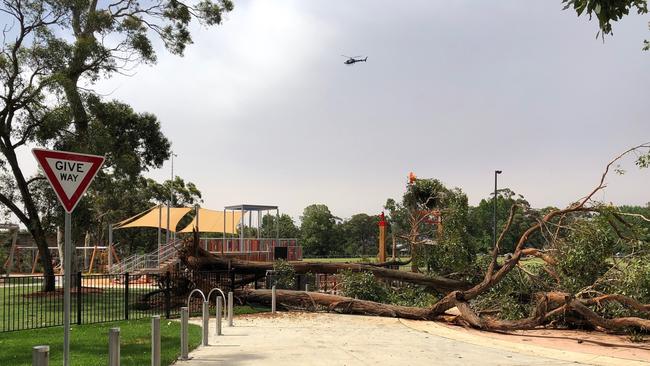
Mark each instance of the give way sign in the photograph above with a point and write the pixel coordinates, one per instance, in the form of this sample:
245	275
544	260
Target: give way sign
69	173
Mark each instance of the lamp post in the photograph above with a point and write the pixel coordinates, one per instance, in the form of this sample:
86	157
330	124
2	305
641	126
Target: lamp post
494	232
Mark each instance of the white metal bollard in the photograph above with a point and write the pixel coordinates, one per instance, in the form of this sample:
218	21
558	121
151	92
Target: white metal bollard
41	356
230	309
273	299
307	288
184	329
155	340
114	347
206	322
219	314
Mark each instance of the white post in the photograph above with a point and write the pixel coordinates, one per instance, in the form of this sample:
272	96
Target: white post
114	347
273	299
86	246
307	287
230	310
67	277
206	322
41	356
184	326
219	314
155	340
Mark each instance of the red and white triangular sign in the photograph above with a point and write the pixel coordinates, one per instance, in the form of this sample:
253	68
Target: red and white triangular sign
69	173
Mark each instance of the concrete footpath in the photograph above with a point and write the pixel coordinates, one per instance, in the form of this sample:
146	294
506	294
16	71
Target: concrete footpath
331	339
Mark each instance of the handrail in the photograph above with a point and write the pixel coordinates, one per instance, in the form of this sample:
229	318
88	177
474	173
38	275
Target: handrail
148	260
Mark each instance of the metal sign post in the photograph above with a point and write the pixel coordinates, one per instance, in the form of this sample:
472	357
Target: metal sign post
69	175
67	272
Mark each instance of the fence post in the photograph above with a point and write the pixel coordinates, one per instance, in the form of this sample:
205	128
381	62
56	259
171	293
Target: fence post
41	356
219	314
184	326
79	295
126	296
168	296
114	347
155	340
230	309
273	299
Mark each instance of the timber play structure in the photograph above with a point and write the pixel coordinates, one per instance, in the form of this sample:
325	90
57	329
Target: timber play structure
24	258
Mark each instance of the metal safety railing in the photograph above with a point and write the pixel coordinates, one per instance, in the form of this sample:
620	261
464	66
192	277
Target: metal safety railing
258	249
166	254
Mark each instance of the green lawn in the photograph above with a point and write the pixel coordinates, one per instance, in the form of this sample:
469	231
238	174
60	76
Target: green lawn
246	309
89	343
354	260
339	260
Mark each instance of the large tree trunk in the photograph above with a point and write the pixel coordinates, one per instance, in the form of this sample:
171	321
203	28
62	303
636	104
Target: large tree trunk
77	108
198	259
30	219
549	306
319	301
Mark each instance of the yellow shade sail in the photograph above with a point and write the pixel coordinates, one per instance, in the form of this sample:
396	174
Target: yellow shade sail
156	217
211	221
125	221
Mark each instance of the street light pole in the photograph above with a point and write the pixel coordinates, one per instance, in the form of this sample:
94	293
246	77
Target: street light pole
494	232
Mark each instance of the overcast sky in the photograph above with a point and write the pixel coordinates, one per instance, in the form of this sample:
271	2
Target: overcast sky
263	110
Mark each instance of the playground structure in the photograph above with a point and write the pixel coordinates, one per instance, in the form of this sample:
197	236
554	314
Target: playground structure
25	258
240	234
256	248
243	236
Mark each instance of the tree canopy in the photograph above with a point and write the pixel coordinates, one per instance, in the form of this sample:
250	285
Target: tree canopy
317	230
51	50
608	12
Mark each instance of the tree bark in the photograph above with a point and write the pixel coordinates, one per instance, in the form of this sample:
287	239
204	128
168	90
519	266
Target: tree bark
547	307
340	304
31	219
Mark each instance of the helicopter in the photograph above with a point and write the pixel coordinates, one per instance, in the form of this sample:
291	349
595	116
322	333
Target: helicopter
354	59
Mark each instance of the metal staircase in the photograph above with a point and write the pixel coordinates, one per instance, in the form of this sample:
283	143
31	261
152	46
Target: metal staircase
155	261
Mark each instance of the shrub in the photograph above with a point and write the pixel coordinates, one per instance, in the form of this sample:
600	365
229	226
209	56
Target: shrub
284	276
514	297
582	257
635	281
362	285
411	296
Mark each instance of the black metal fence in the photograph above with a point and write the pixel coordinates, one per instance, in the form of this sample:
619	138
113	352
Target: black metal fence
105	298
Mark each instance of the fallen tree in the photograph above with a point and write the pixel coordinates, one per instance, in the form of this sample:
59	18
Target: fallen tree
316	301
198	259
495	273
581	306
549	307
